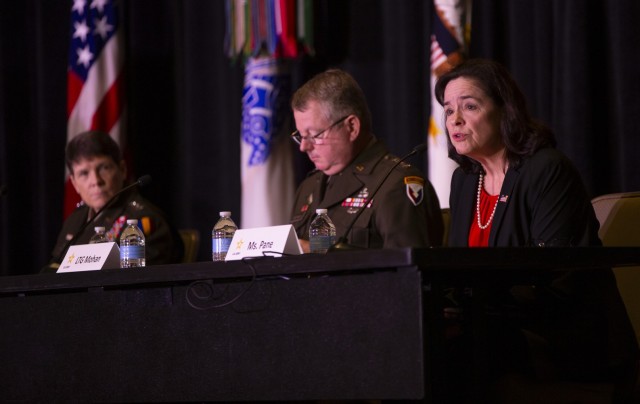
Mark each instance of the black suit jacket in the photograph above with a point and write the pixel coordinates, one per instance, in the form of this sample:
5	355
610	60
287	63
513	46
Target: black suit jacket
577	318
542	202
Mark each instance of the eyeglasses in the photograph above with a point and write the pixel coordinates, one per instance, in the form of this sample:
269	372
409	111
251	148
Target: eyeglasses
315	139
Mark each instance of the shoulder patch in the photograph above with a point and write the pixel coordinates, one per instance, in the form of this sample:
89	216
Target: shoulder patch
415	189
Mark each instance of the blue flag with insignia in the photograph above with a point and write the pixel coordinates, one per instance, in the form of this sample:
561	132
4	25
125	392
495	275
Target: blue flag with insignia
266	151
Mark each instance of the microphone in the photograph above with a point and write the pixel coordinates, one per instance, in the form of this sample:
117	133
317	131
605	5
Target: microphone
142	181
341	244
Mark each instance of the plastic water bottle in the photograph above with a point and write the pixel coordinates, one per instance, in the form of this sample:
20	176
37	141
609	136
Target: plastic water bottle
132	246
221	236
322	232
99	237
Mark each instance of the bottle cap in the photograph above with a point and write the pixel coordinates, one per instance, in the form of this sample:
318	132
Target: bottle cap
225	213
321	211
99	229
132	221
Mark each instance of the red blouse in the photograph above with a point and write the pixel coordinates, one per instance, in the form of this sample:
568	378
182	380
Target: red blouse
477	236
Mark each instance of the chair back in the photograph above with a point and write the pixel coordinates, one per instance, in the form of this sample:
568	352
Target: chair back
191	241
619	217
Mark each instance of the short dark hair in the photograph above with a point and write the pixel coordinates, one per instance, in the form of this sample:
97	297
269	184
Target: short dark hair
521	134
90	144
337	90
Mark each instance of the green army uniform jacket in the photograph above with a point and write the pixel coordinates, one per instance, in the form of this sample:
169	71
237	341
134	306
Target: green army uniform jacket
163	244
405	212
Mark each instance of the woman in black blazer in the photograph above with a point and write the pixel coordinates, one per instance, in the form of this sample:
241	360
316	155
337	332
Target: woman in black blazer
513	188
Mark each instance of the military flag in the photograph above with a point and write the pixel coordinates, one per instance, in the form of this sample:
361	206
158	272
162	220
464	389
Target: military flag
266	153
266	35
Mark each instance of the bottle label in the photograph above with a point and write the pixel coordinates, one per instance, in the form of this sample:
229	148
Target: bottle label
132	251
320	244
220	245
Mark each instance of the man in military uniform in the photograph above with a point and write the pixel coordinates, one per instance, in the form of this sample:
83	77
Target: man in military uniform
334	129
97	172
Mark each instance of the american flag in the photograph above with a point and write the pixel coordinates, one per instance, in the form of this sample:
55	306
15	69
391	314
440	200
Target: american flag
447	45
95	79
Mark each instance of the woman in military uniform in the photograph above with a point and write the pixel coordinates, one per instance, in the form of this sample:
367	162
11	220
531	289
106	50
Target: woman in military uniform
98	172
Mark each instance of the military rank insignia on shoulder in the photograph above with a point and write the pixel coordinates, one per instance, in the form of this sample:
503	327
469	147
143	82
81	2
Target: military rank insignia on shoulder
136	205
415	189
396	160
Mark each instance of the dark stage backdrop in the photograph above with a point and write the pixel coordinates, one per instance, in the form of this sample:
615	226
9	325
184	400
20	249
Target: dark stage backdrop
577	61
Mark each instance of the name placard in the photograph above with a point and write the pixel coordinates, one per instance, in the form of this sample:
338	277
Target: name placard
90	257
261	241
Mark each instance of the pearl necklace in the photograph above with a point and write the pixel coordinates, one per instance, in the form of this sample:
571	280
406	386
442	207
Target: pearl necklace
482	227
